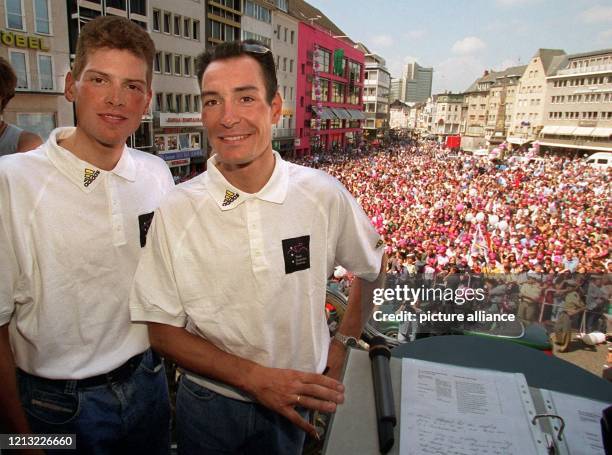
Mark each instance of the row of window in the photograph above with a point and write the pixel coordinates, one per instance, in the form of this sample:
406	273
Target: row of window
331	124
586	98
530	89
595	61
176	64
592	115
597	80
222	32
340	93
259	12
176	102
277	32
262	39
175	24
284	67
15	16
528	102
19	62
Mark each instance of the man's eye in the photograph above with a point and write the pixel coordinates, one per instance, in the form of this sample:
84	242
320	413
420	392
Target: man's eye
210	103
135	87
97	80
247	99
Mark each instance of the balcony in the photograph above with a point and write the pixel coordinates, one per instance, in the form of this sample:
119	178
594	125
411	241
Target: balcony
278	133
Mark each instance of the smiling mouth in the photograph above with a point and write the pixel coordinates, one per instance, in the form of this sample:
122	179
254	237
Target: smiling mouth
232	139
112	117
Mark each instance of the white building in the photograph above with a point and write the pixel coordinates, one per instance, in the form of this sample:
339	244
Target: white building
377	85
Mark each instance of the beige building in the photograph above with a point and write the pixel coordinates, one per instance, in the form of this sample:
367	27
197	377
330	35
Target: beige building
578	105
284	46
528	116
448	110
34	39
399	115
177	31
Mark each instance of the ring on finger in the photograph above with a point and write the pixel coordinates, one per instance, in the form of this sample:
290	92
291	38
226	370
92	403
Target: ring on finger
297	400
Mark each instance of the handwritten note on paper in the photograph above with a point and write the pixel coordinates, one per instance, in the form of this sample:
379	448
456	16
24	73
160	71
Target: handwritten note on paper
456	411
581	416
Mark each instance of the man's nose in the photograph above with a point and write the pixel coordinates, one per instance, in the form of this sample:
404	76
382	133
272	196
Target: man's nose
230	117
115	96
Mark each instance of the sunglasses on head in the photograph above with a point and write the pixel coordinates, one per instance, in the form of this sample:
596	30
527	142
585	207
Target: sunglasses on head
255	48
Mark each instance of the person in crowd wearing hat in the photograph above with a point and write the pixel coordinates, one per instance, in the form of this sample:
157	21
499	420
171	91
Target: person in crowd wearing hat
12	138
75	214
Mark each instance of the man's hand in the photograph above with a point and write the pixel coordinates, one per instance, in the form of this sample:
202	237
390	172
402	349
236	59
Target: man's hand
283	390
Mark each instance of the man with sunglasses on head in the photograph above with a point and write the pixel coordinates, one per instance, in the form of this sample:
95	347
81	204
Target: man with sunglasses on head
74	214
233	278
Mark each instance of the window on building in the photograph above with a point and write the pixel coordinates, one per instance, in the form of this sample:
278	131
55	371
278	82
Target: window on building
337	92
292	36
42	17
19	63
14	15
177	25
157	62
285	38
322	58
156	20
138	7
291	66
179	103
196	104
196	30
118	4
186	27
159	100
177	65
170	102
188	103
187	66
284	63
168	63
167	22
45	72
258	12
39	123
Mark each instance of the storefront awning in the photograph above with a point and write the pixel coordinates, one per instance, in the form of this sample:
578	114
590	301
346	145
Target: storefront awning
602	132
356	115
565	130
341	113
326	113
549	129
574	146
583	131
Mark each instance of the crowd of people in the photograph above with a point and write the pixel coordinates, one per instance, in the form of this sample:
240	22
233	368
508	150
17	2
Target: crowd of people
440	211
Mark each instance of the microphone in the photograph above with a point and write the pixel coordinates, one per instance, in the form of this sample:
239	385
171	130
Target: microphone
383	393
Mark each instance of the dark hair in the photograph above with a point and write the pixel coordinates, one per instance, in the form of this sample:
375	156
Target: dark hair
113	32
8	82
234	49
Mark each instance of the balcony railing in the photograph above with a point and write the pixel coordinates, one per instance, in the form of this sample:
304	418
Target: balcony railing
283	132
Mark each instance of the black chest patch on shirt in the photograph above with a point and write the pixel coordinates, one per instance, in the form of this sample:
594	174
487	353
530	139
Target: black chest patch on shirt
144	222
296	252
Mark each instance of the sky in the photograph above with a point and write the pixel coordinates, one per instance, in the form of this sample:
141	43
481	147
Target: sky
460	39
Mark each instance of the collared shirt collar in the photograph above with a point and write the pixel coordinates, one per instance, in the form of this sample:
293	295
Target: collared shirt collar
228	196
83	174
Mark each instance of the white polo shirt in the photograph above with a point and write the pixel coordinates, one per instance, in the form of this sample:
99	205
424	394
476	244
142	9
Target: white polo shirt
70	240
248	272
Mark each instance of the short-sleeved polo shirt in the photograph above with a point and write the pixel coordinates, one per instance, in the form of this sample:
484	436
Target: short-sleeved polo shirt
248	272
70	240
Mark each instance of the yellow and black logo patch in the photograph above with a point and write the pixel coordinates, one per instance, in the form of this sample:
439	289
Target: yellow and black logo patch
379	243
90	176
230	197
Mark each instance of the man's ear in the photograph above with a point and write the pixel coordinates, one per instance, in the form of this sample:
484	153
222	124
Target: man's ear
149	95
69	87
277	107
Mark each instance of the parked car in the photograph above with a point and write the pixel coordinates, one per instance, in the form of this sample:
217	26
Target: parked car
602	160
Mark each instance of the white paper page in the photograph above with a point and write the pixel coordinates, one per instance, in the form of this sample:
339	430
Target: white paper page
464	411
582	432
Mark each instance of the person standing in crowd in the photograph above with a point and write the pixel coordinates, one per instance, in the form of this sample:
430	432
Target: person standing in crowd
75	214
12	138
233	278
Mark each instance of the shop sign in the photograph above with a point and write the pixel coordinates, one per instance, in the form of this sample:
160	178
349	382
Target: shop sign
13	39
169	119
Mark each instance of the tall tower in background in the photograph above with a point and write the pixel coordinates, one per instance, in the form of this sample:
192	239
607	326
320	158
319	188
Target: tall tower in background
416	83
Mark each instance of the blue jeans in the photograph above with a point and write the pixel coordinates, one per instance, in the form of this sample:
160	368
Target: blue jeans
209	423
130	416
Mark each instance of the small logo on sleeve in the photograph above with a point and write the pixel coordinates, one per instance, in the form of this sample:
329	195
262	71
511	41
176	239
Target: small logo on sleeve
296	252
144	222
230	197
379	243
90	176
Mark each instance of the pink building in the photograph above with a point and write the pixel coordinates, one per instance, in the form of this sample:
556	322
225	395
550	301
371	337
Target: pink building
329	108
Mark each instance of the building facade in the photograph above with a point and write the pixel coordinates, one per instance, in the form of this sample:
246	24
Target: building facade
416	83
447	117
285	49
578	105
34	40
329	91
177	30
377	84
222	21
527	120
